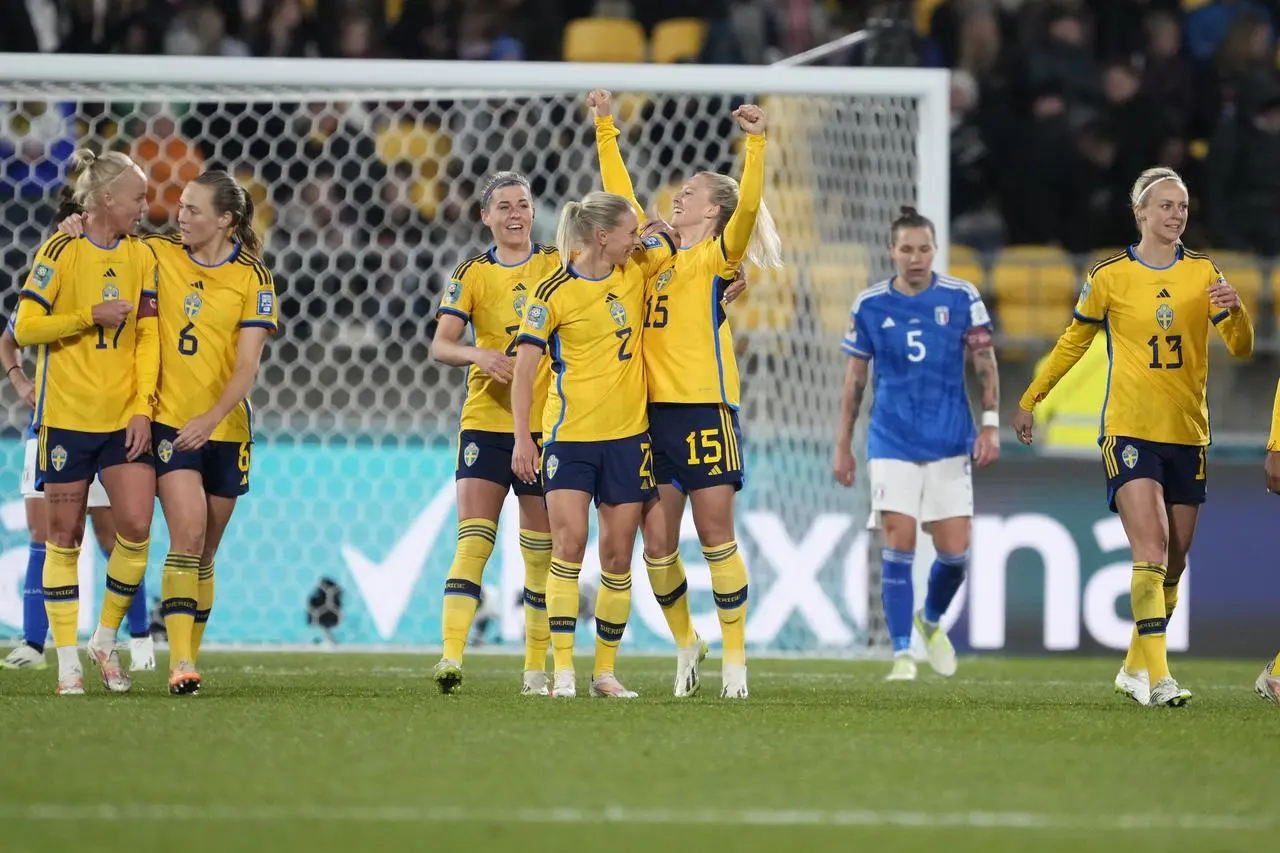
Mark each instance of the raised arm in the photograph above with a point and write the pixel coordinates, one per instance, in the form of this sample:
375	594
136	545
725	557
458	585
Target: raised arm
613	170
737	233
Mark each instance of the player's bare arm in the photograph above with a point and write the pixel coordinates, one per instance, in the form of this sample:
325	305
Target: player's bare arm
983	354
11	361
855	386
524	456
447	348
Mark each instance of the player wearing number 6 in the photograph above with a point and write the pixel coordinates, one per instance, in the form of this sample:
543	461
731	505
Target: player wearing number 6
1155	301
919	327
218	305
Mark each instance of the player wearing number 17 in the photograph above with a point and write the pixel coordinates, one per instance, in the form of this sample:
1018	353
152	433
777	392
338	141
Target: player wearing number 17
89	304
1155	302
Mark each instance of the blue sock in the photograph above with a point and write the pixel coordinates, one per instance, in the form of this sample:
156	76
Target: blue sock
944	580
138	615
897	595
35	621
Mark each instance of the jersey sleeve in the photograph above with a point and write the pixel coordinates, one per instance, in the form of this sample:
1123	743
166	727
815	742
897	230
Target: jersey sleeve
741	225
1095	297
978	334
44	282
261	307
655	251
1235	326
1273	441
857	342
36	321
11	326
539	322
613	169
147	351
461	293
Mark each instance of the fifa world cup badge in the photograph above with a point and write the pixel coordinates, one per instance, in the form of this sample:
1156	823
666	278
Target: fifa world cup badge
537	316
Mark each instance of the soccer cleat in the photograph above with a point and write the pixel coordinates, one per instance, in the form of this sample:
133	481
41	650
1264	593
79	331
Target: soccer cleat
904	668
184	680
941	654
565	686
448	676
24	657
688	660
1136	686
114	676
142	654
535	683
733	681
607	686
1167	692
71	682
1268	684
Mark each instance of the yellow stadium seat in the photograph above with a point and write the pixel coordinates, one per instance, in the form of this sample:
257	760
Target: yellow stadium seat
1031	322
1035	275
924	14
407	141
834	288
603	40
1244	273
393	10
768	304
794	210
964	263
1192	5
677	40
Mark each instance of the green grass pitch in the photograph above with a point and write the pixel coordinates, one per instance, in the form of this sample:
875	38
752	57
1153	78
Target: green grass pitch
357	752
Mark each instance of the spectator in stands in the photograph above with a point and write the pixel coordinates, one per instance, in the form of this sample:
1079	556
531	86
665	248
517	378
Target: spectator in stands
202	31
1062	60
1122	27
1138	123
1208	26
1244	65
283	30
1168	77
975	217
1243	179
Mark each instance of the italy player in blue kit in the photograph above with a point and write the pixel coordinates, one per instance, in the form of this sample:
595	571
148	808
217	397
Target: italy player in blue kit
919	328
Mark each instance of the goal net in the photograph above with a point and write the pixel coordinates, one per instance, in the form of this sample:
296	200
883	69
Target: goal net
365	180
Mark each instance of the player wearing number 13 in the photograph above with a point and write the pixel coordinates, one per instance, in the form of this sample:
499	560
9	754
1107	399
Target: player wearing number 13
1155	301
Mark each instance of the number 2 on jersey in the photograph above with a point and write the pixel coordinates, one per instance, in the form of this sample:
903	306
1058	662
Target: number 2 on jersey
102	337
915	347
511	347
624	336
1175	349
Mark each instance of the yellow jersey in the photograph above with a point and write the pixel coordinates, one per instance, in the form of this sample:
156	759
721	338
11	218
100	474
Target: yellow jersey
202	310
492	297
1157	325
90	378
591	329
688	343
1273	440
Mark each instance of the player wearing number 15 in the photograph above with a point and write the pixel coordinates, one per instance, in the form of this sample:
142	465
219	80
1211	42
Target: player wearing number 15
89	304
1155	302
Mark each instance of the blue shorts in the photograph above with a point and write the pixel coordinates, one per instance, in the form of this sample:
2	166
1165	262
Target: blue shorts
613	472
696	445
72	456
487	456
223	465
1179	468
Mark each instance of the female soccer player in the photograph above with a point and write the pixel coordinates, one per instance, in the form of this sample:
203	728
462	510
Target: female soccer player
919	328
90	305
588	316
1268	683
35	621
693	387
490	292
1155	301
217	308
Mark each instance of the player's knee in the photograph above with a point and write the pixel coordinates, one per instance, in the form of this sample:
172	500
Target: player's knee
569	545
186	537
136	527
899	535
615	558
1150	546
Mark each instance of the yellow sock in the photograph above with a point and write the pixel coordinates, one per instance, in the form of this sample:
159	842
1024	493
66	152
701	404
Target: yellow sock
204	604
562	610
125	570
671	588
535	548
1147	597
729	583
62	592
613	608
179	586
1134	662
462	588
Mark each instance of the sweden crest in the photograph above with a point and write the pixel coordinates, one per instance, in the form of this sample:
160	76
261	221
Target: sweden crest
191	306
164	450
553	465
1164	316
1084	292
663	280
110	292
522	299
942	314
470	454
618	312
1129	456
58	457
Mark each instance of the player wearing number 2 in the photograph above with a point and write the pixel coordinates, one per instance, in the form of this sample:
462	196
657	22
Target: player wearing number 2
218	306
1155	301
919	327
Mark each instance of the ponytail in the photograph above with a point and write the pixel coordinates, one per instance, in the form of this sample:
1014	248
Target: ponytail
569	230
94	173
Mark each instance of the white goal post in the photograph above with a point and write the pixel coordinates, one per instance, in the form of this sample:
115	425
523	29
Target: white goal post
365	175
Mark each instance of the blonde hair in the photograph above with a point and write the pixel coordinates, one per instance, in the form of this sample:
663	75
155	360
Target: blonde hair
1149	179
580	219
765	247
94	173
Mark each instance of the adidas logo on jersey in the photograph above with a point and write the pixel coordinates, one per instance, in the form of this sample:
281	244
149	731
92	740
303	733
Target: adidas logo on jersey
888	323
198	285
1163	294
110	273
715	471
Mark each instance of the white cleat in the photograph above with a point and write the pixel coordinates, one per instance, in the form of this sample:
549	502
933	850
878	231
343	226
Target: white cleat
1136	686
565	686
142	654
904	668
733	681
535	683
114	676
608	686
71	682
1166	692
24	657
1268	685
688	667
942	655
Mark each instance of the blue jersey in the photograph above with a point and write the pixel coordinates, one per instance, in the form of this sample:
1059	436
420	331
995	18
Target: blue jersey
31	424
921	411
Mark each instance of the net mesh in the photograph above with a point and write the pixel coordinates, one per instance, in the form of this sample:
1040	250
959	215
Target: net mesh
367	199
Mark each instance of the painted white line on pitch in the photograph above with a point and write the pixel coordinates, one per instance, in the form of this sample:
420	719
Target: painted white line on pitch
635	816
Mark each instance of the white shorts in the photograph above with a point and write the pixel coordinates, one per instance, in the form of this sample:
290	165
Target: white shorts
97	493
926	491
